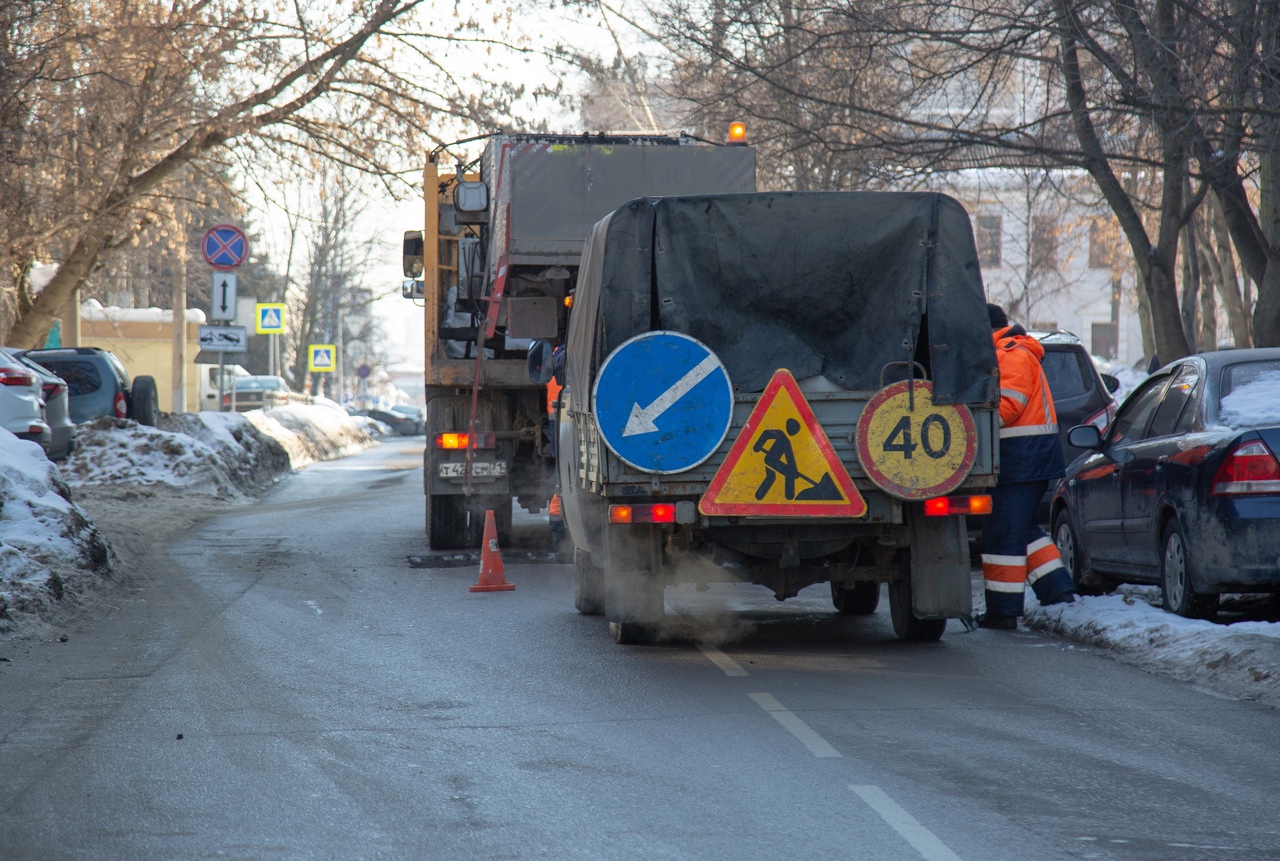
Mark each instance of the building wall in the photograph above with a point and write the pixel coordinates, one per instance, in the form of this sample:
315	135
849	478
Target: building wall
142	339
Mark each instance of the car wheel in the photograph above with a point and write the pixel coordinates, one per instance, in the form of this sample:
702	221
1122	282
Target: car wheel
1175	577
145	401
860	598
588	584
1088	582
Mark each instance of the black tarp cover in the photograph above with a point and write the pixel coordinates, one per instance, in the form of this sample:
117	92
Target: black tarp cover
831	283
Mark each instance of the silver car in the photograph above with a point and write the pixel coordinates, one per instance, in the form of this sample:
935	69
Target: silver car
57	407
22	402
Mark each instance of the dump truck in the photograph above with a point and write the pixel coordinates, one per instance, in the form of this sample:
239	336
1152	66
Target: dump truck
496	268
783	389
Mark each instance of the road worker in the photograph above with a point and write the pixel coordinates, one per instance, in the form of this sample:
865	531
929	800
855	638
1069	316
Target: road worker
1016	551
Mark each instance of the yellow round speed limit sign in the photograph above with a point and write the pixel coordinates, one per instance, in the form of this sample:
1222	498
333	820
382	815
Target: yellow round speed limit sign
912	447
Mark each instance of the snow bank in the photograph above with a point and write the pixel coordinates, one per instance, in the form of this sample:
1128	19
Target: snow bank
49	551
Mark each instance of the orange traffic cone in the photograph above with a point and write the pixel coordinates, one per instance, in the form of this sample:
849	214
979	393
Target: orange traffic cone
492	577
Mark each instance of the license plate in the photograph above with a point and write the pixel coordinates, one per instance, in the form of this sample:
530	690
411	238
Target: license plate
479	469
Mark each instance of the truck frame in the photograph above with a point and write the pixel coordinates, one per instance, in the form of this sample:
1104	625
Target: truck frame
496	268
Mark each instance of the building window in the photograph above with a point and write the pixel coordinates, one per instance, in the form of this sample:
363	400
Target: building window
990	230
1044	243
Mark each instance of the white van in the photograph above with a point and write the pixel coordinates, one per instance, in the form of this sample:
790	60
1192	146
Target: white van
209	383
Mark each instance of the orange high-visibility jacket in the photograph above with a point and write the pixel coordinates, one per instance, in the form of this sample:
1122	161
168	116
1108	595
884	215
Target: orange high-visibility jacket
1029	446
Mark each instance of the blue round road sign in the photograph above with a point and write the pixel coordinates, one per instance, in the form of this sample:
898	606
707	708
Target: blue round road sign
663	402
225	247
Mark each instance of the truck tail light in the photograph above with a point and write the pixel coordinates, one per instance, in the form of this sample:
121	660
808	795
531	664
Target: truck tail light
15	378
1250	468
661	512
1102	417
122	409
945	506
461	441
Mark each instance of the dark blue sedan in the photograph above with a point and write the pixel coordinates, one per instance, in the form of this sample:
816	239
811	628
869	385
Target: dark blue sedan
1183	487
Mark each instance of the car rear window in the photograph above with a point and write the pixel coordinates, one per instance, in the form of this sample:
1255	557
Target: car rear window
1248	397
81	377
1067	373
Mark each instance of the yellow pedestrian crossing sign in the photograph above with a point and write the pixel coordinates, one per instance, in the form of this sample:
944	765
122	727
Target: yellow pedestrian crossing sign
321	358
782	464
269	318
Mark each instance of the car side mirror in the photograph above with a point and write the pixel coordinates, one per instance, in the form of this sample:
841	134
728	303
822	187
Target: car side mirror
1085	436
1112	383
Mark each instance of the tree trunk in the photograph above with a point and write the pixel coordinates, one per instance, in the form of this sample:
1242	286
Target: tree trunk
1219	251
33	328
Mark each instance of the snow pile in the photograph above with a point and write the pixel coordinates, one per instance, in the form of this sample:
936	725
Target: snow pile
1129	378
1253	404
311	433
1241	659
48	547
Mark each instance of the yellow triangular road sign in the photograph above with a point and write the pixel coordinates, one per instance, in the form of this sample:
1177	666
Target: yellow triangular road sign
782	464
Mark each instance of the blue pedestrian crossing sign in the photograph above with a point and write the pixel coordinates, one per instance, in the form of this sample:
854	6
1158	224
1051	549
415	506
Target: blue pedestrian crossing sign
321	358
663	402
269	318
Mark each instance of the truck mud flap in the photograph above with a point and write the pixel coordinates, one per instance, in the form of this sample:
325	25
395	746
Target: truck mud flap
940	575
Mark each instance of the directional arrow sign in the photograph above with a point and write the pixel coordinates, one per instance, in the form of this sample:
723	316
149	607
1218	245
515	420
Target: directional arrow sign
223	296
663	402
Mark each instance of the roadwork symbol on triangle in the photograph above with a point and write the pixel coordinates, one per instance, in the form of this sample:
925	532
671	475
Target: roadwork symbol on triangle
782	464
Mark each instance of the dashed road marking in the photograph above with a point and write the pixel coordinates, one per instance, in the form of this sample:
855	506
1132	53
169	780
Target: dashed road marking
921	839
723	661
817	745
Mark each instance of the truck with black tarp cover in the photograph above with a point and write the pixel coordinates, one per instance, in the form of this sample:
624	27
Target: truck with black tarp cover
779	388
496	267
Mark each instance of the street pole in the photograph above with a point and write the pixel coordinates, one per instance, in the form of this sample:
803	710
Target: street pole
179	404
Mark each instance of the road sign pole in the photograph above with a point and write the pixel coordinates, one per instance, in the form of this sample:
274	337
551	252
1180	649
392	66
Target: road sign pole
222	378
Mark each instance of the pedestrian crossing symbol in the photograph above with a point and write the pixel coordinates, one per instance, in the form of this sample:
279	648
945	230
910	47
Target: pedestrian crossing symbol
320	358
782	463
269	319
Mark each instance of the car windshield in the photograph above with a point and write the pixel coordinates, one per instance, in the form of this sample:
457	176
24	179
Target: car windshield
1248	395
1066	372
81	376
257	384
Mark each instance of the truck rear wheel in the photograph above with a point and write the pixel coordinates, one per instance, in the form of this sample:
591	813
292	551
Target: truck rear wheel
588	584
633	600
860	598
905	622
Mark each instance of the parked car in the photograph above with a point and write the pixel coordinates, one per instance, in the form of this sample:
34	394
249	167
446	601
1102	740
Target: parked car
22	402
1081	394
57	407
1183	488
418	414
98	385
259	392
402	424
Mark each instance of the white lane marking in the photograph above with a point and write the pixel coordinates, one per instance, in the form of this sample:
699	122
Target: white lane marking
314	606
922	839
641	420
721	660
817	745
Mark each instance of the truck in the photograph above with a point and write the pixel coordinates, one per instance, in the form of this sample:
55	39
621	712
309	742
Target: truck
783	389
496	268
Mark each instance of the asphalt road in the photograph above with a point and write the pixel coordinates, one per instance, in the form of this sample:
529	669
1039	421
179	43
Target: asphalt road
292	687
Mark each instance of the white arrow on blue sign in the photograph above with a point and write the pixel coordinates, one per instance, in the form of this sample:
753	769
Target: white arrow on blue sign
663	402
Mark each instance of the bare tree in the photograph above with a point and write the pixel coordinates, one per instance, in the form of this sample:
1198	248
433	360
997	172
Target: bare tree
118	98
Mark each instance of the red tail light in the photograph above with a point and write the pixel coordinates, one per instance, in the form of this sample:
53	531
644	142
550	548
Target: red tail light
122	409
661	512
460	441
52	390
1250	468
15	378
945	506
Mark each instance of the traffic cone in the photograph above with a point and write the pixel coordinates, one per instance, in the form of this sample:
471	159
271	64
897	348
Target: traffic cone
492	577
